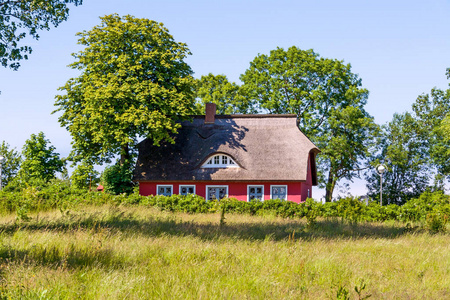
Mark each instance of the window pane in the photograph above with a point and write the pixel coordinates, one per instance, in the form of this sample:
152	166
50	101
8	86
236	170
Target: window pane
191	190
224	160
279	192
222	192
211	193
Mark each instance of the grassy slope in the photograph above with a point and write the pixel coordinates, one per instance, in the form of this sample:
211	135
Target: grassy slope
140	252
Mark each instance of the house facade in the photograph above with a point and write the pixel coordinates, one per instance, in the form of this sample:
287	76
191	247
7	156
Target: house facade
241	156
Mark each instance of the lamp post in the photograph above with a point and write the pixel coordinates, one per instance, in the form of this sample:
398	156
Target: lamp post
380	170
2	159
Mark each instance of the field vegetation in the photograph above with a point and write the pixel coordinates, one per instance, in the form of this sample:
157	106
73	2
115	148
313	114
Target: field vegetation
147	247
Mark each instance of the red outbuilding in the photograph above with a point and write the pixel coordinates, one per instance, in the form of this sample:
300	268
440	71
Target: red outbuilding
241	156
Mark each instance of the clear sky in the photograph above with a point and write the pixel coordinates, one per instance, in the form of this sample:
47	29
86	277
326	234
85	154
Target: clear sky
399	48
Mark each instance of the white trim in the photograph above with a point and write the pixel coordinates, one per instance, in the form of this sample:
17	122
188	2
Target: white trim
280	185
185	185
254	185
220	164
215	186
164	185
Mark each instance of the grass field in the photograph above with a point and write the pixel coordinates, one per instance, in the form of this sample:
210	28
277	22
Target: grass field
140	253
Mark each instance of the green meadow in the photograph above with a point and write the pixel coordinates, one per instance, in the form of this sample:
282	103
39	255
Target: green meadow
138	252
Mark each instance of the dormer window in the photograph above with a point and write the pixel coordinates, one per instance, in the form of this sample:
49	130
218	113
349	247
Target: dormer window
220	161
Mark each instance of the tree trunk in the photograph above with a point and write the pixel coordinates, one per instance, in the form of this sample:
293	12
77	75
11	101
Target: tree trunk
330	187
124	154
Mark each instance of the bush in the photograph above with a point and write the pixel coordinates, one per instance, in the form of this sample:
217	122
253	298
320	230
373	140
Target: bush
116	179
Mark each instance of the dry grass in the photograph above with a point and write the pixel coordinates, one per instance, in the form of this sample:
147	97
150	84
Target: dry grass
135	253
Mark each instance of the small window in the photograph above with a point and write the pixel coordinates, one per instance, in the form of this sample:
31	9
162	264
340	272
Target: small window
164	190
220	161
278	192
255	192
216	192
187	189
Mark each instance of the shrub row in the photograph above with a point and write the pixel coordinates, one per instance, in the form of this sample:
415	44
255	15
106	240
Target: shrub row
429	207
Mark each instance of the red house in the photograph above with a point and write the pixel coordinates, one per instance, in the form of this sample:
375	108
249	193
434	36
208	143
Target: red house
241	156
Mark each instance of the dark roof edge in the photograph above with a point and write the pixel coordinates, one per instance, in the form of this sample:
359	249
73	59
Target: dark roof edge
223	180
245	116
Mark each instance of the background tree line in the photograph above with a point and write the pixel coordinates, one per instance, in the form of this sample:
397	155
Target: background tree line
134	83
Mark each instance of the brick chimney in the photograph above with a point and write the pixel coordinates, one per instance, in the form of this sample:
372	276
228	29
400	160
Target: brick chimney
210	113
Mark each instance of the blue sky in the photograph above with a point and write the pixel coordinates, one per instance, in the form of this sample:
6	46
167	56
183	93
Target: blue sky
400	49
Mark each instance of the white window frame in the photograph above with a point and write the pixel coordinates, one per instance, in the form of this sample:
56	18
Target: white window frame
254	185
279	185
164	185
216	186
210	162
186	185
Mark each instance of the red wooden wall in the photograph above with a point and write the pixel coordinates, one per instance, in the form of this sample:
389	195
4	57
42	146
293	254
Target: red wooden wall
297	191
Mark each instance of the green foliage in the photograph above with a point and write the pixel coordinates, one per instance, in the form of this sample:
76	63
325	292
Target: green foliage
11	163
432	111
226	95
134	83
328	100
84	176
19	19
350	209
405	154
116	179
431	210
40	161
437	222
312	211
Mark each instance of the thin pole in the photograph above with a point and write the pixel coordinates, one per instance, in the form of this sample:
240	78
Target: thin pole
381	189
1	175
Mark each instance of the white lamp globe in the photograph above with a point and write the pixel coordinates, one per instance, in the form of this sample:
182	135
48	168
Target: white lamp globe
381	169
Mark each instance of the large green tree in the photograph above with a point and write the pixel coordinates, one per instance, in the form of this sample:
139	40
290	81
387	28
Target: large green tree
134	83
433	116
22	18
328	100
40	161
11	164
219	90
404	152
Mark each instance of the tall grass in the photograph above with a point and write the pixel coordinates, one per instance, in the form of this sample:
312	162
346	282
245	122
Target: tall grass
135	252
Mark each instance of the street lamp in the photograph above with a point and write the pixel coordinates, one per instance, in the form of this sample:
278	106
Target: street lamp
380	170
2	159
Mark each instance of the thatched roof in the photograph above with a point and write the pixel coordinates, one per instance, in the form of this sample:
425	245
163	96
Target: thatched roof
266	147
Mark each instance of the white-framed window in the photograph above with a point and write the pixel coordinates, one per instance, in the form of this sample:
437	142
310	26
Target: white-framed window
278	192
164	190
187	189
220	161
255	192
216	192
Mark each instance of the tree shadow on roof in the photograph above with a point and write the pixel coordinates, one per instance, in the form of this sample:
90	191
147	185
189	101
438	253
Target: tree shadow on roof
194	143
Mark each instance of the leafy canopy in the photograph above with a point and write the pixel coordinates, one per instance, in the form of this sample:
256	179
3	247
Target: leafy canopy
22	18
41	162
84	176
225	94
404	152
11	163
134	83
328	100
